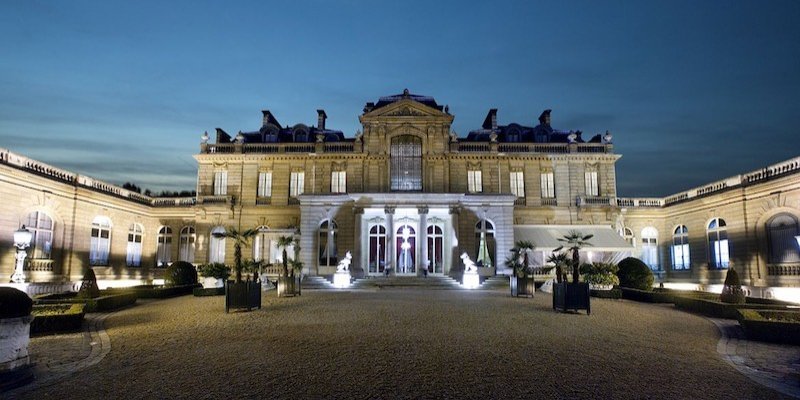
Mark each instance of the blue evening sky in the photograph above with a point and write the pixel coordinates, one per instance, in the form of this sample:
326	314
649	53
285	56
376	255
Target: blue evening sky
693	91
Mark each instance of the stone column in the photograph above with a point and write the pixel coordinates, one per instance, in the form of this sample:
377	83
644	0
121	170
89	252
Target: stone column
423	239
357	262
455	260
390	239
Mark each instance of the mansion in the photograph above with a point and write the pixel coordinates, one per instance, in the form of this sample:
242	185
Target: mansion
405	195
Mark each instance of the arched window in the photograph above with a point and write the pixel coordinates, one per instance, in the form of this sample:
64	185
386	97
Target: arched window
41	226
164	249
484	243
186	248
406	163
133	257
718	252
327	244
261	244
650	248
627	234
435	251
513	135
406	248
377	249
216	246
100	243
781	232
680	248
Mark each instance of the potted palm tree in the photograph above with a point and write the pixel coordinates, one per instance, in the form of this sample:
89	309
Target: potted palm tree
521	279
574	295
239	293
288	281
559	260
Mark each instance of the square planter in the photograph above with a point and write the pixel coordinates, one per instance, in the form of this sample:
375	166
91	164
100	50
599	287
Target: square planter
522	287
571	296
289	286
245	294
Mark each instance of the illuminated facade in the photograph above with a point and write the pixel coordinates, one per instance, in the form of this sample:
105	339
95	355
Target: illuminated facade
404	194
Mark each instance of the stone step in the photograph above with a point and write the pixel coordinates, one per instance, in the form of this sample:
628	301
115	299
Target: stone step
402	282
316	283
495	283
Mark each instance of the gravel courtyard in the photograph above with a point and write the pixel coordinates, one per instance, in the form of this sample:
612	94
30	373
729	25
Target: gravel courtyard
406	344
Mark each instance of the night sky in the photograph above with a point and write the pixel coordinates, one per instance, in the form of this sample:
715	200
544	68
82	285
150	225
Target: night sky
122	91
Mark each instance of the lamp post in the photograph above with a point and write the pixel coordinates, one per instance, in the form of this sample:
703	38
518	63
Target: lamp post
22	240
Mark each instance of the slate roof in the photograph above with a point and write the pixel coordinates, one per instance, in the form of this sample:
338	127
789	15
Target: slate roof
271	133
514	132
386	100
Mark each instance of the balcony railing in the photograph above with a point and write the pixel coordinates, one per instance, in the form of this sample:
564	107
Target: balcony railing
595	201
650	202
549	201
784	270
263	201
220	199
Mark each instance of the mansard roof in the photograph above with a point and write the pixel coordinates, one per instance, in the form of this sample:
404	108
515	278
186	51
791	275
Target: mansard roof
272	132
386	100
514	132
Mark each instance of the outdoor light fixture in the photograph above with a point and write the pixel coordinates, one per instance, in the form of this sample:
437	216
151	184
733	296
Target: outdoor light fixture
22	240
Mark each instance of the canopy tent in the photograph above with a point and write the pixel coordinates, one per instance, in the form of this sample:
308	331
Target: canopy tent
545	239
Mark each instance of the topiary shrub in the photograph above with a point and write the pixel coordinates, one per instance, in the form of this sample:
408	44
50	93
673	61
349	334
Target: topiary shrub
215	270
14	303
89	288
732	290
633	273
180	273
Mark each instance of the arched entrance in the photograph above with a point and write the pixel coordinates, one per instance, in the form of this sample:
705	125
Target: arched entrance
405	249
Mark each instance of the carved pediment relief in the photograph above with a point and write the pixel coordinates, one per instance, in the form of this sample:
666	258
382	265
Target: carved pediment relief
405	108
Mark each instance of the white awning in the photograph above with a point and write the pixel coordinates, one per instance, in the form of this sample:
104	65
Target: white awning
545	237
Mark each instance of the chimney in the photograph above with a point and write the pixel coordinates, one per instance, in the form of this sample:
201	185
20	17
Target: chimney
267	117
321	117
491	120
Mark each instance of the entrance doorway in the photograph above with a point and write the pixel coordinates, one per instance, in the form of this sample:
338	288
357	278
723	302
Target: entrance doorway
405	237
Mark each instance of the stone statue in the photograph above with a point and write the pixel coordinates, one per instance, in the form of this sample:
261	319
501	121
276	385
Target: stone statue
344	265
469	266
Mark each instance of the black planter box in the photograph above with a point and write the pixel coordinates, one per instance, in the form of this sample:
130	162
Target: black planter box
289	286
245	294
571	296
522	287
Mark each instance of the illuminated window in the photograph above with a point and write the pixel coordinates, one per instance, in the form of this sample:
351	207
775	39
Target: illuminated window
517	183
474	181
216	246
592	188
265	184
164	248
327	244
220	183
261	244
134	251
377	249
650	248
406	163
296	183
548	187
680	248
435	249
718	252
41	226
338	182
485	243
187	246
100	242
781	230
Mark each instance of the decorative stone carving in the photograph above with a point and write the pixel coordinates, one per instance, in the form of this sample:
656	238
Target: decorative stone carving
344	265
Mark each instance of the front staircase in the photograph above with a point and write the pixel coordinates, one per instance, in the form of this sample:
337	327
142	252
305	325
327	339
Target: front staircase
404	282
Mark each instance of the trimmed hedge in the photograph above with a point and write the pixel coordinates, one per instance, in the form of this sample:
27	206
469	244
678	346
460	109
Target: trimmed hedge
155	292
180	273
718	309
70	320
771	326
614	293
648	296
108	302
634	273
200	292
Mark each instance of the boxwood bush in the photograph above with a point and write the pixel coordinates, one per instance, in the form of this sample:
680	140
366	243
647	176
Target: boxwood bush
14	303
771	326
180	273
732	289
57	318
633	273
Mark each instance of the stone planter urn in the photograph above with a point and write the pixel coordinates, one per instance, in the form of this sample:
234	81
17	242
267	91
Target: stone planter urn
15	329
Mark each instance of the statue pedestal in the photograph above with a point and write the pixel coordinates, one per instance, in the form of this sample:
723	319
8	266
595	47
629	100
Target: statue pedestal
471	280
341	280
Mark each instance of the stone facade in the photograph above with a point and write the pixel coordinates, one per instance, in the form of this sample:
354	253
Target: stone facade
404	169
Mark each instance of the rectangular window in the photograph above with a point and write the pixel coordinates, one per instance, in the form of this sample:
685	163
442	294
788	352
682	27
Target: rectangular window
474	181
650	253
220	183
296	183
338	182
548	188
680	256
517	184
265	184
591	183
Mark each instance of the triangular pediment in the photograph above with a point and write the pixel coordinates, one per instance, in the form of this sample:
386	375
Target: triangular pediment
405	108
